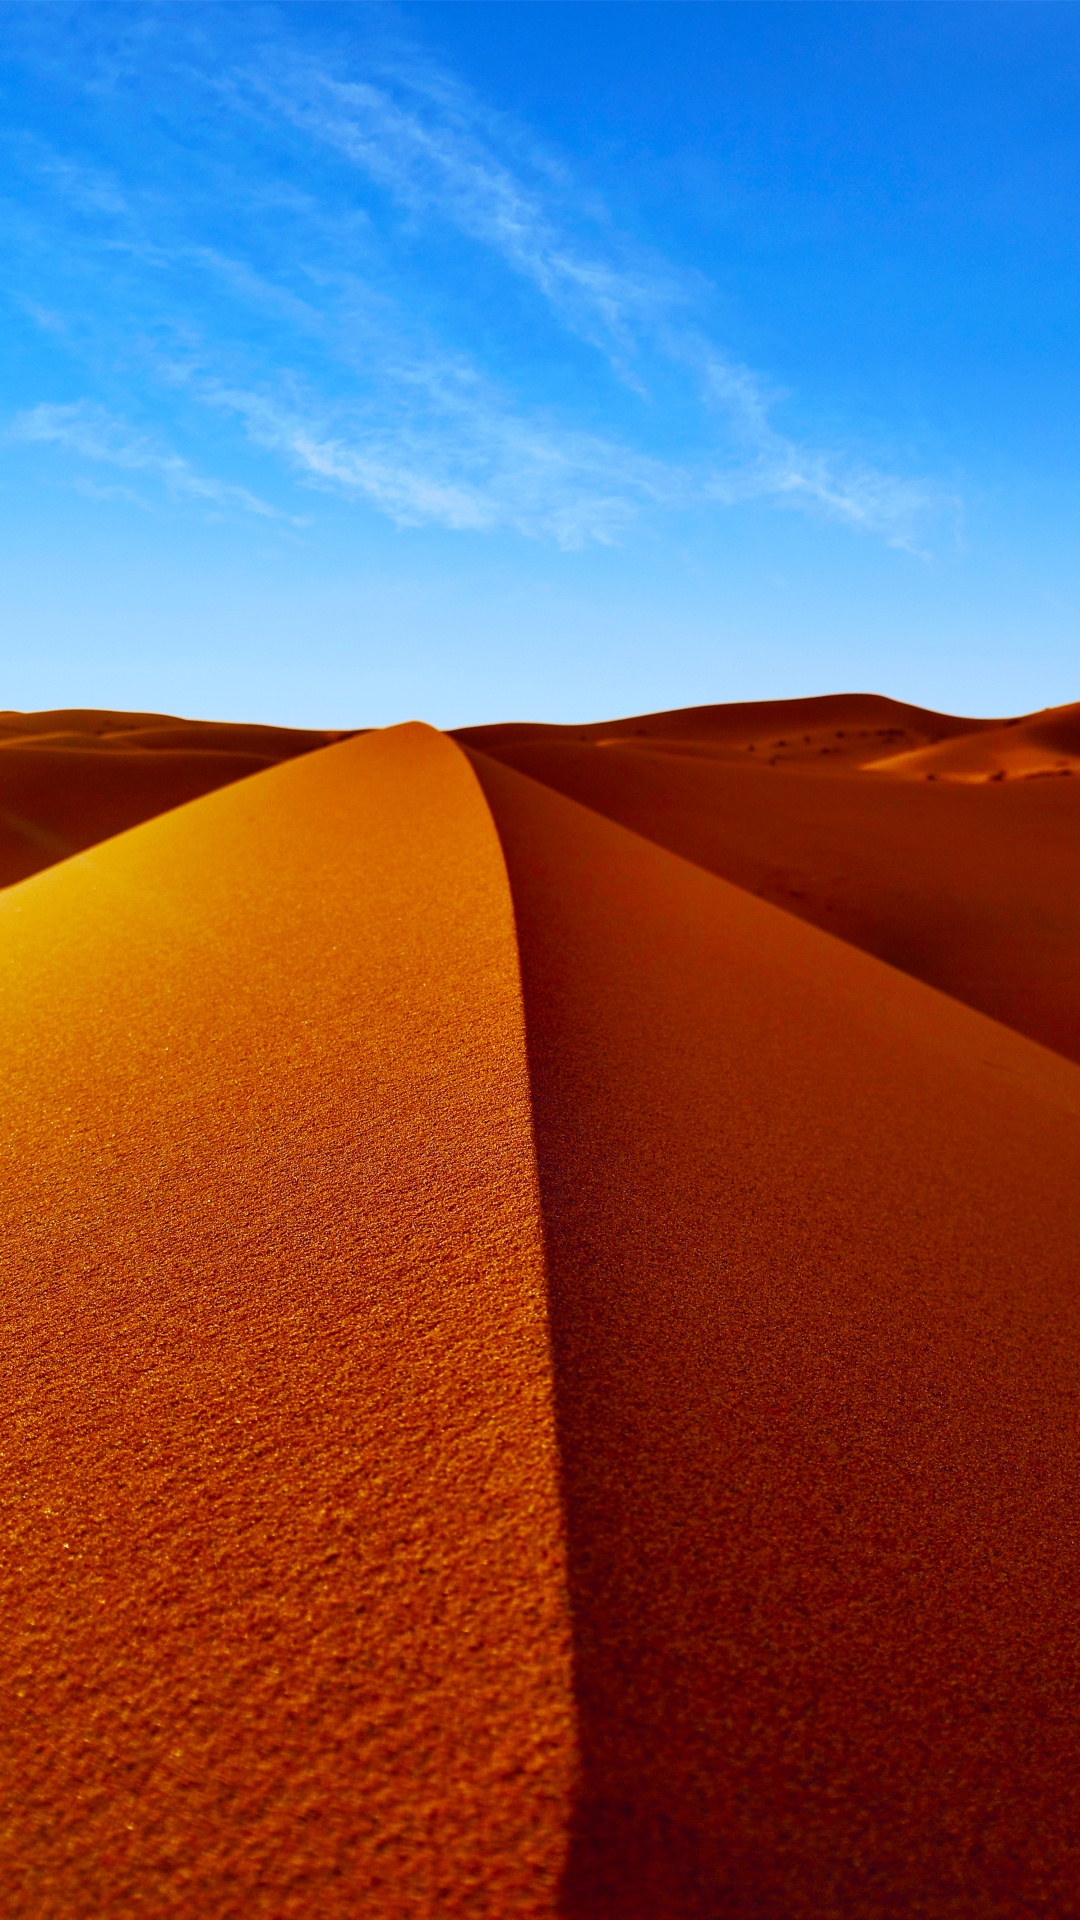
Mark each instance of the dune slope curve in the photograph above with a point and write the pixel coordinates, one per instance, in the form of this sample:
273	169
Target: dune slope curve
812	1235
284	1611
72	777
973	888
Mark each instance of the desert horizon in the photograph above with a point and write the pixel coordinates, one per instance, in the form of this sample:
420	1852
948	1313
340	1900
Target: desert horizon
539	1150
984	905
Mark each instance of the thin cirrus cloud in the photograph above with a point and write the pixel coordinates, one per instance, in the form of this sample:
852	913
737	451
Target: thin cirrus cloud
454	454
432	150
89	432
312	319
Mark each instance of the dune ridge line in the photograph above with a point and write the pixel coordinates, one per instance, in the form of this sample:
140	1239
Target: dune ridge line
812	1232
285	1598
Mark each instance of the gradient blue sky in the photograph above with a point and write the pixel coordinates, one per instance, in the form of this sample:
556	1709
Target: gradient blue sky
557	361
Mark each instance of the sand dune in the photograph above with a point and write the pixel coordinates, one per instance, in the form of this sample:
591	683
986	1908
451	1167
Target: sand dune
535	1382
1044	744
972	887
70	779
828	734
812	1237
284	1598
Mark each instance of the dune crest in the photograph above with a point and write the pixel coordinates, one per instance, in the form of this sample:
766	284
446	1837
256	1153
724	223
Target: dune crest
830	733
284	1593
537	1383
74	777
972	885
1038	747
811	1233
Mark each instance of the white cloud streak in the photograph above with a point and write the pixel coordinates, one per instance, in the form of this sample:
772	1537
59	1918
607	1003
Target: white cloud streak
88	431
305	316
432	149
432	158
458	458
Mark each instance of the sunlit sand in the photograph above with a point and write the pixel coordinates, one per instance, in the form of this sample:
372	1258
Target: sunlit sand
542	1336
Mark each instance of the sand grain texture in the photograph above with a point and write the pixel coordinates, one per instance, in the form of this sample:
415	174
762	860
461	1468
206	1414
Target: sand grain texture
283	1579
812	1236
536	1382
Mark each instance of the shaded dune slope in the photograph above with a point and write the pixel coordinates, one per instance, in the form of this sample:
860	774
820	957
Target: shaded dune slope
284	1608
534	1383
811	1233
71	778
972	887
847	727
872	820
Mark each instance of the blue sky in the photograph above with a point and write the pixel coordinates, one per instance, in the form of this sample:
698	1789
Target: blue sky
557	361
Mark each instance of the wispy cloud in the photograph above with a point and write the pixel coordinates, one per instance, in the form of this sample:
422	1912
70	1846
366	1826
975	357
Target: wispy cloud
768	465
87	430
459	458
400	297
425	139
431	148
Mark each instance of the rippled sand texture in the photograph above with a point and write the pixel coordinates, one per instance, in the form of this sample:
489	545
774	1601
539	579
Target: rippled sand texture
536	1382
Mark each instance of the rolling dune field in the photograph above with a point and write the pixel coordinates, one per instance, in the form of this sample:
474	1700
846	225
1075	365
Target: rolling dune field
72	778
968	880
542	1325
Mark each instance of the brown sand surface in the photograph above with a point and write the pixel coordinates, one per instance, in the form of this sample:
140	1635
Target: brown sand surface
819	734
812	1235
972	887
534	1383
1037	747
71	778
284	1601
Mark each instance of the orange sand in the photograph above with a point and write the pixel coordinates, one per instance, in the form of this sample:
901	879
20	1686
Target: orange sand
70	779
284	1603
535	1382
971	886
1036	748
812	1235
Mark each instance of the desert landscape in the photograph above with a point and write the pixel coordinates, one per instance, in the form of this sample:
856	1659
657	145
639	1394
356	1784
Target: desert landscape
542	1339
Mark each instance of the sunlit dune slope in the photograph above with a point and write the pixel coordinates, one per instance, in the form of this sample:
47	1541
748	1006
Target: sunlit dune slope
71	778
534	1383
976	893
1036	748
283	1585
812	1237
974	888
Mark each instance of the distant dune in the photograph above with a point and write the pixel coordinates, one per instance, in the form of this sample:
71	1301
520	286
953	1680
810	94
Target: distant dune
913	835
1040	747
71	778
539	1381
